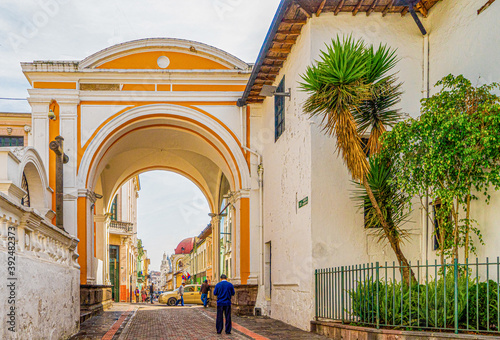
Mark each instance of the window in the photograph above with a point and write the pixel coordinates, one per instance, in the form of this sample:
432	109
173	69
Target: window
26	198
189	289
364	143
11	141
279	111
114	210
439	221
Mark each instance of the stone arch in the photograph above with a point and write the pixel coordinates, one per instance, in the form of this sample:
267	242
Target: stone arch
32	167
185	46
176	117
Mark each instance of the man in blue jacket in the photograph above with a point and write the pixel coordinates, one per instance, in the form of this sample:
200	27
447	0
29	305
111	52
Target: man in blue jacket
224	291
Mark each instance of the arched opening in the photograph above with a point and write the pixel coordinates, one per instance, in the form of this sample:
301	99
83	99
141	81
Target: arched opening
177	139
31	183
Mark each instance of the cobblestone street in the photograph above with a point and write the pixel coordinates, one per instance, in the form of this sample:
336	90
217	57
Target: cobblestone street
143	321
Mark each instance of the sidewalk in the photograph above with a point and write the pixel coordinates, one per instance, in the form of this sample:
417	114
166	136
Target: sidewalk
109	323
146	321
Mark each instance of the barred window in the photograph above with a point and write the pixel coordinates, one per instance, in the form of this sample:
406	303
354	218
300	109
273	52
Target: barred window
279	111
114	210
11	141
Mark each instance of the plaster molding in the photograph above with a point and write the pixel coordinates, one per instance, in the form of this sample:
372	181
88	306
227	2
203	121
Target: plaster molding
155	43
89	194
232	149
36	237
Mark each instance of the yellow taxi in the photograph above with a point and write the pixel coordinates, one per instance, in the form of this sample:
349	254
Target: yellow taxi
191	295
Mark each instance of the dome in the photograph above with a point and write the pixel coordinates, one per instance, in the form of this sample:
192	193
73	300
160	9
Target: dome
185	246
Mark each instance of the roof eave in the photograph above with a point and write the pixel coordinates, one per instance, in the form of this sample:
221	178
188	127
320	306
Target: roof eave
268	41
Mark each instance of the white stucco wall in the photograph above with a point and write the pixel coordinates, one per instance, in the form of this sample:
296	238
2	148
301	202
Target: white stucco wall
287	178
47	303
459	42
337	224
463	42
303	163
39	279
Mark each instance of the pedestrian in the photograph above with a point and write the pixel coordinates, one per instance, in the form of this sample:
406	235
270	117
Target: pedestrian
205	288
181	293
224	290
144	295
151	293
136	294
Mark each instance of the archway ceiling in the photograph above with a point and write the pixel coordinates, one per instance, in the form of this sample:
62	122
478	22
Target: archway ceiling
157	147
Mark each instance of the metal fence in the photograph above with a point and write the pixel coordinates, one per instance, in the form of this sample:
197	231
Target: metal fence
449	296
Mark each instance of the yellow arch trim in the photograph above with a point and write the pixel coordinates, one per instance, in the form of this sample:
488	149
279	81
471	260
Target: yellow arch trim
149	61
133	105
166	125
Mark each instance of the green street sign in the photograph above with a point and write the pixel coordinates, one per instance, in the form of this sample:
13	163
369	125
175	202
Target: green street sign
303	202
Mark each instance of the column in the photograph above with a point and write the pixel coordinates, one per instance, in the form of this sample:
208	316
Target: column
68	117
216	248
40	128
102	245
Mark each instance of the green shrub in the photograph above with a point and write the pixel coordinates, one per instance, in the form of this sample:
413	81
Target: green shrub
480	320
431	305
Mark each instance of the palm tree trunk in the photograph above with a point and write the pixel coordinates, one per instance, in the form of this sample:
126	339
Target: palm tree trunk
395	243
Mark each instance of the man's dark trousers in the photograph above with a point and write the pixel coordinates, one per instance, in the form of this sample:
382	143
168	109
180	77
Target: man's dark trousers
219	323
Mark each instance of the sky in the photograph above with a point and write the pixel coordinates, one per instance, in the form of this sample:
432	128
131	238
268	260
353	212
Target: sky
72	30
170	206
170	209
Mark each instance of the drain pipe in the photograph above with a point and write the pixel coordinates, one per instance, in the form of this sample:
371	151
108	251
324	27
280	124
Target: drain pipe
242	130
260	171
426	90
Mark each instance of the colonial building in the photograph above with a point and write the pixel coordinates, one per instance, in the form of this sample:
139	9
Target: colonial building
299	161
201	257
165	270
143	273
123	252
15	129
42	262
181	261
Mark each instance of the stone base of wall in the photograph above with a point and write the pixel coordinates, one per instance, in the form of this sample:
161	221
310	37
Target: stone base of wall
336	330
243	302
94	299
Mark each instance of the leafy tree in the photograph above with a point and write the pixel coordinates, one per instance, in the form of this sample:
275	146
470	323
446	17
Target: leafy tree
353	92
140	249
452	154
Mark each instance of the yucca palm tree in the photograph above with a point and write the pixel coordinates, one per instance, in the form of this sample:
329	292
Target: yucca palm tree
353	92
391	201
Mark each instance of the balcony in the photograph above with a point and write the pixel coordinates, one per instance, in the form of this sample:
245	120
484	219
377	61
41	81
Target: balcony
118	227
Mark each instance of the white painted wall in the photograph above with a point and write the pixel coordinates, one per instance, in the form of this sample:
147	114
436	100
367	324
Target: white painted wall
337	223
42	264
463	42
287	177
48	295
303	163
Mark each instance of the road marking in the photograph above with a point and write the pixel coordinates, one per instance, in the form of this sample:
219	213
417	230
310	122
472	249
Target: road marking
239	328
112	331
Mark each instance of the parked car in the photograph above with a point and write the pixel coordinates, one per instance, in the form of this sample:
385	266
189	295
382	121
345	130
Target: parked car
191	295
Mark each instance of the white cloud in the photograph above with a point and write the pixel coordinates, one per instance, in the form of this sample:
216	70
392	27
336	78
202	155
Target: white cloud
70	29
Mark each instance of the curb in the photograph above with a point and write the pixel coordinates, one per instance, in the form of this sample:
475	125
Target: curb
121	332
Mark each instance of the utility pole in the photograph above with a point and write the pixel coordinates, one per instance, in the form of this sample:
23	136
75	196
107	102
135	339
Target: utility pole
61	159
